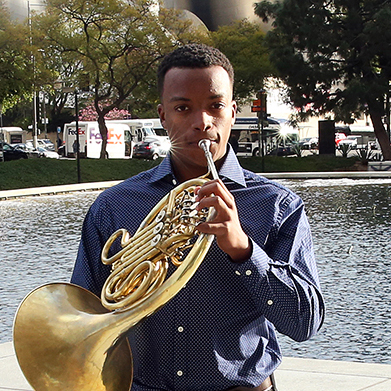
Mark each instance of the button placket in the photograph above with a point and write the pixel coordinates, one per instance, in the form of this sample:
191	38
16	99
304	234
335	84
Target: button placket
180	349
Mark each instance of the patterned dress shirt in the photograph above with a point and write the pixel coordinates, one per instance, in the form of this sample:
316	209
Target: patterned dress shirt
219	330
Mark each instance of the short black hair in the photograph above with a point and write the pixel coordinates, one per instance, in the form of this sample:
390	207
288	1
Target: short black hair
193	56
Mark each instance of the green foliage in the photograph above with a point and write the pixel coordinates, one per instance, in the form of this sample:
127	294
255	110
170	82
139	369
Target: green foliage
15	60
364	155
51	172
243	42
297	150
117	43
344	149
310	163
334	56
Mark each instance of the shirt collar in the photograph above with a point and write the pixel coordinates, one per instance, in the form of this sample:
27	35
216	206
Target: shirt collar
230	169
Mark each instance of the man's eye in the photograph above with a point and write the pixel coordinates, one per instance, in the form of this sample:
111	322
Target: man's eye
218	105
181	108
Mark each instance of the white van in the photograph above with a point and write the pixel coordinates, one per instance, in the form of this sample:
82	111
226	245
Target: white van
90	139
13	135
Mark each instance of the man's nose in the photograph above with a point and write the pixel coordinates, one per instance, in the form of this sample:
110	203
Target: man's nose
202	121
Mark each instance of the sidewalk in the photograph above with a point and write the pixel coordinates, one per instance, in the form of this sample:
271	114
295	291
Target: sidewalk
51	190
294	374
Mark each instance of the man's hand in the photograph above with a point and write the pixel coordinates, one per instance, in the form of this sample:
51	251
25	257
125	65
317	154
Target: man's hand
225	225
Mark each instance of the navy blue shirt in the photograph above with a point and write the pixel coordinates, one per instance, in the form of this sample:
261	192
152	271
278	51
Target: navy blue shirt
219	330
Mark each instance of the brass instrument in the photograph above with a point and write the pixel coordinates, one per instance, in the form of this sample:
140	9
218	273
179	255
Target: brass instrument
66	339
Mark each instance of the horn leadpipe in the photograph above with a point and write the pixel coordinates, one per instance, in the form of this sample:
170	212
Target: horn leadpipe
205	146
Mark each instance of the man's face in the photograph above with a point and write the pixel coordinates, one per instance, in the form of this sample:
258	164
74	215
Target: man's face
197	104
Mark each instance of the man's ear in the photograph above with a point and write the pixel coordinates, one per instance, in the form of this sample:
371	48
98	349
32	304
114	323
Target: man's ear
162	114
234	110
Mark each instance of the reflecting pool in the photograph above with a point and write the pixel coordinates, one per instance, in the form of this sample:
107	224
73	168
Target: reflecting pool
351	225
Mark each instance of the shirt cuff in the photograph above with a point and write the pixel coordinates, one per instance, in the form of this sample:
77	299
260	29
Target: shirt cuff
256	266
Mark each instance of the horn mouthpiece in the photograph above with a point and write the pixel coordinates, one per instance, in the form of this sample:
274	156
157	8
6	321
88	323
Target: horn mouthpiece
204	144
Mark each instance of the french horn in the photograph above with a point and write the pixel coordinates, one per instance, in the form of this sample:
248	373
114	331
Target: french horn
67	339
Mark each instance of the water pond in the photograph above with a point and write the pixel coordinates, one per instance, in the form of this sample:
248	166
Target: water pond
351	225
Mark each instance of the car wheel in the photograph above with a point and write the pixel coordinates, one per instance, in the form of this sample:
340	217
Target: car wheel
256	152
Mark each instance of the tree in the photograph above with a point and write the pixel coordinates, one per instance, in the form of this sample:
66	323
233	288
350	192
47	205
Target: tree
16	66
117	43
89	114
335	57
243	42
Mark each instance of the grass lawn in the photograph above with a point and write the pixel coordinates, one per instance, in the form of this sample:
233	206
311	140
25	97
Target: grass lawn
51	172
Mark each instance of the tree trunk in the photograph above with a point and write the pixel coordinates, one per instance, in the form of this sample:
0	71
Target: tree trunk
381	134
103	132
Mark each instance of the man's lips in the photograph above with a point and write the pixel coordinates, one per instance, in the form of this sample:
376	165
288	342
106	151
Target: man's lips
196	143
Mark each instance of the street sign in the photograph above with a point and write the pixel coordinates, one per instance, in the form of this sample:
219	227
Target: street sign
259	105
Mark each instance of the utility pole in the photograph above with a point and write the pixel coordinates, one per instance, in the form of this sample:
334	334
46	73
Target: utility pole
77	137
35	96
59	86
260	107
1	134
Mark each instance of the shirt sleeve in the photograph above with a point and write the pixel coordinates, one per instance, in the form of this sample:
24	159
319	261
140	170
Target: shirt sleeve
89	272
282	275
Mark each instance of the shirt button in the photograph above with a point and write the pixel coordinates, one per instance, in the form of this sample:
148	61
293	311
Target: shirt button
174	182
237	272
179	373
248	272
270	302
180	329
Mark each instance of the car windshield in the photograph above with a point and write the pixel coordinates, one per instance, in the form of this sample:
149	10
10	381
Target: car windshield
7	147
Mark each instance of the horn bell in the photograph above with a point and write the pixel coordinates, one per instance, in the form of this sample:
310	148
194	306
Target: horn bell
63	339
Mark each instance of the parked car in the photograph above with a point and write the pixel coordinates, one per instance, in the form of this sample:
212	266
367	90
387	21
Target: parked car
48	154
339	137
352	141
30	150
47	144
283	150
152	148
44	143
309	143
11	153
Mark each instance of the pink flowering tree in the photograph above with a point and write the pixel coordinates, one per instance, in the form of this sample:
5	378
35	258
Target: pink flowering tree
89	114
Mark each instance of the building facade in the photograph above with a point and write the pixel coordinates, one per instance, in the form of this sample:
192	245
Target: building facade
19	9
213	13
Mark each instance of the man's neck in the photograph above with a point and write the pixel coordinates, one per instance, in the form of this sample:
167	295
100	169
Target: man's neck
185	173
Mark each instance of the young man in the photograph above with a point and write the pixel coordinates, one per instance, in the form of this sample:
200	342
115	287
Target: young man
218	332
